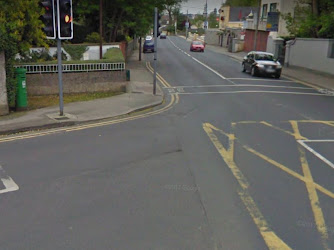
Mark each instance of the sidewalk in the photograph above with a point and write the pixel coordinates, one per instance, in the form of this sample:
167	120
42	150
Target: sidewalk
306	76
139	96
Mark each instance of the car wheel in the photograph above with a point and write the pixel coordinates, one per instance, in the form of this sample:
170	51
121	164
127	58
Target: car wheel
144	51
243	68
277	76
253	71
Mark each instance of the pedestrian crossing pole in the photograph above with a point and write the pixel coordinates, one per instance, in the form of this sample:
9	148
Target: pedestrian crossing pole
155	50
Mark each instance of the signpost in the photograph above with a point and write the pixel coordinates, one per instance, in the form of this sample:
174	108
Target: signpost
272	21
58	22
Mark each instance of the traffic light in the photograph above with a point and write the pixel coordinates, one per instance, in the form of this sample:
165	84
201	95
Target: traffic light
48	18
158	25
65	19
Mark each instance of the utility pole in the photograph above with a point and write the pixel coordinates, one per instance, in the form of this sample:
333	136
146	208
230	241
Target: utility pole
206	15
187	25
155	50
60	78
257	24
101	25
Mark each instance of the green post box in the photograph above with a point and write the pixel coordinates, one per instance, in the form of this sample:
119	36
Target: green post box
21	89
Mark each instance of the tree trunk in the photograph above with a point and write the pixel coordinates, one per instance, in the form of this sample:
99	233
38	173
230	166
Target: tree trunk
119	19
315	7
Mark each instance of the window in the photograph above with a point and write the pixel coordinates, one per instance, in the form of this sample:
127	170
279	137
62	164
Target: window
273	7
264	11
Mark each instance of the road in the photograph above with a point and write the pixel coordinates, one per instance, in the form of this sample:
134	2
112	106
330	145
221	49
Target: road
229	162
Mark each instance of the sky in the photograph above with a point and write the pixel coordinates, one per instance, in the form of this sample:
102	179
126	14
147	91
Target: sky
195	6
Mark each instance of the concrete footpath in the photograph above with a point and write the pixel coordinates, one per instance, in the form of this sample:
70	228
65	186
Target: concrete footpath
306	76
139	95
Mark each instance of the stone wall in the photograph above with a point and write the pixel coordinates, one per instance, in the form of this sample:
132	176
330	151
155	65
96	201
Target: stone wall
81	82
3	89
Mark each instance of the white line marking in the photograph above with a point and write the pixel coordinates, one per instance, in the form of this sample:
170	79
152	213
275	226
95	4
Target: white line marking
250	91
196	60
242	85
302	142
8	182
257	79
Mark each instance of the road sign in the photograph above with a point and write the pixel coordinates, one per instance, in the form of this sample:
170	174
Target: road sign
272	21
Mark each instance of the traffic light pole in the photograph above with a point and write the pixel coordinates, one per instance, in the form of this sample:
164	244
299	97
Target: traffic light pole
60	78
155	50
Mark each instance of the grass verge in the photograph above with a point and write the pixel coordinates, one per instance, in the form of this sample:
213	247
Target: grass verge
36	102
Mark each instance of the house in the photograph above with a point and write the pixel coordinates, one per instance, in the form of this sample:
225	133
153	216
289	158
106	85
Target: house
234	17
269	8
231	24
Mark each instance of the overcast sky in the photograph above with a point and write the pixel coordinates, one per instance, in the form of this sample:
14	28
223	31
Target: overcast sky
195	6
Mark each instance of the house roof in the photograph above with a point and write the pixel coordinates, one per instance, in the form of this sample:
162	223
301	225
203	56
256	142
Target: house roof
238	14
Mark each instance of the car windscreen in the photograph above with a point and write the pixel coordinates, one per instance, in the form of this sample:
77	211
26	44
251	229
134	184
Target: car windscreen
149	43
197	43
264	57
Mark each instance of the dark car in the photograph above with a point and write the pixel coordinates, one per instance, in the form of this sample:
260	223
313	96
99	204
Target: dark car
261	63
148	46
197	46
163	36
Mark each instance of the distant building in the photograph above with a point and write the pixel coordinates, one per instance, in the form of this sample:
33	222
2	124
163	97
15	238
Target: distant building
234	17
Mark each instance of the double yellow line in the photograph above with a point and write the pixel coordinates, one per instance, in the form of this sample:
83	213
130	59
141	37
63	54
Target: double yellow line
26	135
163	82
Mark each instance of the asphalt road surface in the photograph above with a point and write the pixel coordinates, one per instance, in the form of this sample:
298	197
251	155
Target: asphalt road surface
229	162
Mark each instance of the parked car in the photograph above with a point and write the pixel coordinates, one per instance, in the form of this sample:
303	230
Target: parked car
163	36
261	63
197	46
148	46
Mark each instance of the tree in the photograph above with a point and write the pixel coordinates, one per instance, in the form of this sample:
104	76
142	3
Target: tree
213	22
20	28
170	6
312	18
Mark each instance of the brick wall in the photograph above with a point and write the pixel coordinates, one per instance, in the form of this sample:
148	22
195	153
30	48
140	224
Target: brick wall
81	82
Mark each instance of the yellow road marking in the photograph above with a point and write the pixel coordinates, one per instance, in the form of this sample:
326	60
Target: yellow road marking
270	238
313	196
280	129
288	170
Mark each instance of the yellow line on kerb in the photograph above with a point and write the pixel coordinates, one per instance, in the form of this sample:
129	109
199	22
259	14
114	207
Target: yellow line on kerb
27	135
312	193
270	238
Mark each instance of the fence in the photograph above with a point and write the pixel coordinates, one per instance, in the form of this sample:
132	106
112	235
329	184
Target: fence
82	67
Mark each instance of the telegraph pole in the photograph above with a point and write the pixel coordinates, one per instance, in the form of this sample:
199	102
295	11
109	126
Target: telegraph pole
101	25
187	25
206	14
155	50
257	24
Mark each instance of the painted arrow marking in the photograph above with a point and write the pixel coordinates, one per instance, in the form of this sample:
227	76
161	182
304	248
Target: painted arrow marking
8	182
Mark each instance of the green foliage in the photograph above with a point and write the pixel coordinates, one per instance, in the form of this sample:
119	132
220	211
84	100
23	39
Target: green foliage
35	56
75	51
19	29
93	37
213	23
171	29
309	21
63	57
114	54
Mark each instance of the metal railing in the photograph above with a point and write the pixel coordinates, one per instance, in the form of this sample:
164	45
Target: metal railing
84	67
